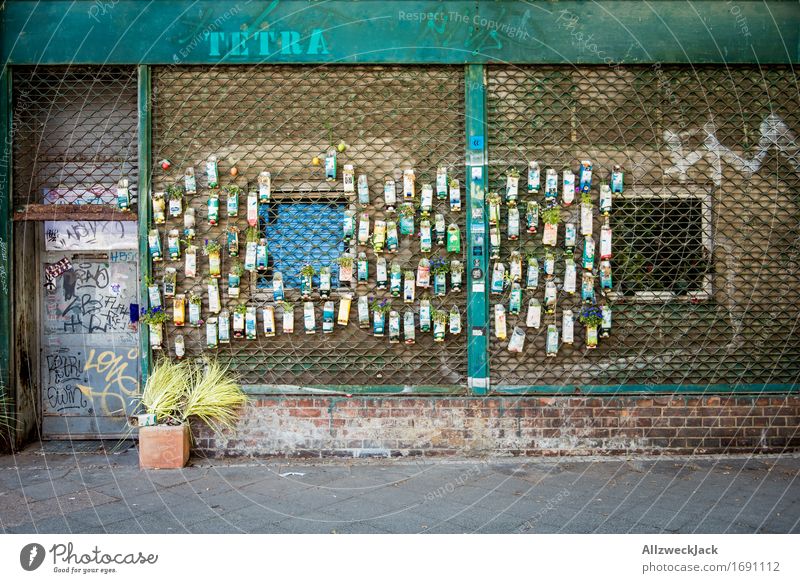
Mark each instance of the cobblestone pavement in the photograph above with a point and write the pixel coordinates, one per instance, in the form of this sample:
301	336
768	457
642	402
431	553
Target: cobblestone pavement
69	492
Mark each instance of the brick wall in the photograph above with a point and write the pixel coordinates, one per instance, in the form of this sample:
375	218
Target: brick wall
508	426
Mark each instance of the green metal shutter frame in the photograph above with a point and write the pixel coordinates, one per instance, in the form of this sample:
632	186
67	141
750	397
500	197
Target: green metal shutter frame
276	119
712	173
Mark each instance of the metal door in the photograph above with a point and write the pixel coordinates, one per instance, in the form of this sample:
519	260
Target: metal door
90	360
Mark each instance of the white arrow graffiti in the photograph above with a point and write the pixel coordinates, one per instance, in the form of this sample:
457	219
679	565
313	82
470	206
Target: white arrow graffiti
775	133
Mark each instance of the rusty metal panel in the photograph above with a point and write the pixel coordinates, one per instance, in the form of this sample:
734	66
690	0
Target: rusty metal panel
276	119
706	285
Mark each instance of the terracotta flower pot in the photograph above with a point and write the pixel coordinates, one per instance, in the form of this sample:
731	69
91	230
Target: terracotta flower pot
163	447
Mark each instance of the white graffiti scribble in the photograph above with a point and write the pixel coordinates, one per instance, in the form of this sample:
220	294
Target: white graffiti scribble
775	133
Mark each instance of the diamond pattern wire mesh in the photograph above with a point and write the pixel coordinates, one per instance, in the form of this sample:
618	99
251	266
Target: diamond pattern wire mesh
277	119
74	133
705	266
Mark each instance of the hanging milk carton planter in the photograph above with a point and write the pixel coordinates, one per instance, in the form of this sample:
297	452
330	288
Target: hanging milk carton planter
349	179
425	238
425	315
513	223
180	347
570	238
616	179
551	347
440	228
498	278
587	288
328	317
212	249
605	199
324	282
455	195
533	318
154	243
568	187
453	239
515	266
381	273
345	262
343	316
238	321
235	280
409	287
515	301
441	183
494	242
407	213
195	306
532	216
379	236
409	189
389	195
189	224
213	207
179	310
363	228
251	249
424	272
379	310
123	195
213	296
212	339
456	275
570	276
392	239
512	186
549	264
232	242
517	342
591	317
585	176
212	172
264	187
189	181
330	165
170	282
567	327
307	273
439	318
174	244
394	327
278	294
250	324
500	331
534	177
409	332
395	280
362	268
426	199
605	275
363	190
493	200
550	186
551	217
349	226
154	319
363	312
455	321
587	223
156	336
224	327
153	293
232	203
605	326
588	253
532	275
605	241
159	208
288	318
439	269
550	297
252	209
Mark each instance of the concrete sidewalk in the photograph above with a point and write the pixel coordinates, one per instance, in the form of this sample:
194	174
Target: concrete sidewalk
44	492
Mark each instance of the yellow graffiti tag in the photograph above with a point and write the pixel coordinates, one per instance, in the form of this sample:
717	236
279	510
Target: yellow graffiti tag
118	384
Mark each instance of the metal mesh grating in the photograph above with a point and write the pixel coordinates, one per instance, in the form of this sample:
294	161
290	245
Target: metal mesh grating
75	134
276	119
705	266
